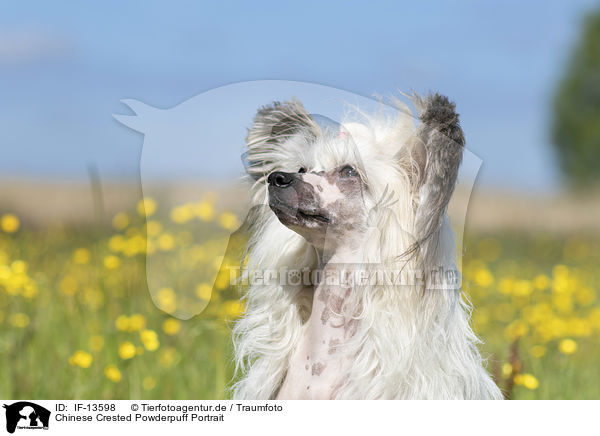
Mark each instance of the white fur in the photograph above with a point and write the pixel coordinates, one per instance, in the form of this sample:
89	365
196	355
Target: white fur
411	342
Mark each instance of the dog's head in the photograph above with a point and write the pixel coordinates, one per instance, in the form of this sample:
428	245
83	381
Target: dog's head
331	184
320	202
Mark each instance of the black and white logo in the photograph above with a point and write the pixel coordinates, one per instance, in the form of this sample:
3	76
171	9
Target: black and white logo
26	415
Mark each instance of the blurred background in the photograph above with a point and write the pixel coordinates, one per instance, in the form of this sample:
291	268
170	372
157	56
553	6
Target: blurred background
75	234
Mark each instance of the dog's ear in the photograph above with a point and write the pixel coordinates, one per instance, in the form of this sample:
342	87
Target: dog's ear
438	152
272	126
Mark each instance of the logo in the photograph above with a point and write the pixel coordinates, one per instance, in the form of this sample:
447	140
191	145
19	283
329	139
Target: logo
26	415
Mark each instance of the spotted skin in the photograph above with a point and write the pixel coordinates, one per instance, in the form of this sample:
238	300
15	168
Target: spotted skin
319	359
317	368
337	197
333	345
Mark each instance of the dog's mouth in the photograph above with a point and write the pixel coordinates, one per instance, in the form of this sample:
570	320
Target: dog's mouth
302	215
315	217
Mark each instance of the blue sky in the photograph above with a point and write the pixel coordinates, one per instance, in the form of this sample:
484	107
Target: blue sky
65	67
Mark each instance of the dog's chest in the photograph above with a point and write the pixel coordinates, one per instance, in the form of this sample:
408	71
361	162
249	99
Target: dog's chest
319	364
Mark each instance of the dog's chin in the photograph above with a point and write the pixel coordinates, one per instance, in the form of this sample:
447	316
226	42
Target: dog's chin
296	218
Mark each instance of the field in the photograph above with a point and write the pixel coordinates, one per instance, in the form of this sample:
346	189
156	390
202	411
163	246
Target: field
536	309
77	320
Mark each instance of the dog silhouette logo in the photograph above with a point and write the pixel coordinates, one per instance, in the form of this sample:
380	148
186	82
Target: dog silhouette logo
26	415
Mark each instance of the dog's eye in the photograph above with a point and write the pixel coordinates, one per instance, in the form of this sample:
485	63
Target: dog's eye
302	170
348	171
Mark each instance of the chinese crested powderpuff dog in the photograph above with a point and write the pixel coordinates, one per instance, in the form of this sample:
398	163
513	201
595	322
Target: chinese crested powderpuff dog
370	306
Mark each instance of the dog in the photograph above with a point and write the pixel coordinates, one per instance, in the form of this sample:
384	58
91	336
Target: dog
360	199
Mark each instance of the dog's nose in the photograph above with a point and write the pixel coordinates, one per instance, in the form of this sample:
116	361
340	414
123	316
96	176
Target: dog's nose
280	179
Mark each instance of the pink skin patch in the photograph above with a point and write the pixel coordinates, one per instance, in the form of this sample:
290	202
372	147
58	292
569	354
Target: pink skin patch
329	192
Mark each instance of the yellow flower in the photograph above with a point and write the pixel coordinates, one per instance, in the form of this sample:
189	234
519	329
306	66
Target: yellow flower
563	302
111	262
483	277
518	379
507	370
233	308
96	343
68	285
134	245
567	346
81	359
171	326
5	272
9	223
579	327
229	221
122	323
19	320
558	326
136	322
19	267
148	383
222	280
585	295
120	221
530	382
153	228
594	317
527	380
541	282
166	242
166	300
81	256
561	282
204	290
112	373
149	339
204	211
515	330
181	214
126	350
506	285
522	288
29	290
116	243
146	207
133	323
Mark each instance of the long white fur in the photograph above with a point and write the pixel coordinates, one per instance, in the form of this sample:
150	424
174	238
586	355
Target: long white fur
411	343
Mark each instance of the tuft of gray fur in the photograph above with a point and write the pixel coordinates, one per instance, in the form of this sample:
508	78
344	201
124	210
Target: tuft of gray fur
443	140
273	125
